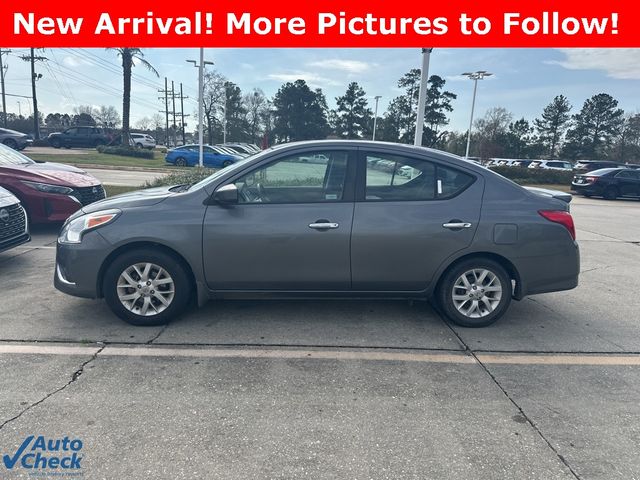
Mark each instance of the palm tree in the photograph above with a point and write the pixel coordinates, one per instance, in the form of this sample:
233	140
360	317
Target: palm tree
128	56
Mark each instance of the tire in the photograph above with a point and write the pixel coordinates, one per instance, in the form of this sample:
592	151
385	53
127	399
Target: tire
11	143
181	162
610	193
98	142
480	316
139	145
132	263
226	163
55	143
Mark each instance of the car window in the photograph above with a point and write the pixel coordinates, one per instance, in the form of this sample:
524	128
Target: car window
71	131
398	178
623	174
297	179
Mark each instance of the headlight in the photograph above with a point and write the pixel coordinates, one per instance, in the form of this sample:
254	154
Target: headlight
72	231
46	188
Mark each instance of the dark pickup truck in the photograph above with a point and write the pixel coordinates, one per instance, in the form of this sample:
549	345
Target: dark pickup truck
80	137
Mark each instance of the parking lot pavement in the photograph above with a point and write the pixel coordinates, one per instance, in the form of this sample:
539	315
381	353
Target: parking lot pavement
124	178
379	390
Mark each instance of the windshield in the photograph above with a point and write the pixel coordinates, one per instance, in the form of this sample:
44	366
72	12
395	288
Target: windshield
8	156
602	171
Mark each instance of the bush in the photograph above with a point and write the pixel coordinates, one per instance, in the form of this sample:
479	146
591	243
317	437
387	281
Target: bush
529	176
125	151
186	176
43	142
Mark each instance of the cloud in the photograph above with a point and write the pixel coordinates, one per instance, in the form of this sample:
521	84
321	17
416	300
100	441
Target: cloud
618	63
312	79
349	66
75	61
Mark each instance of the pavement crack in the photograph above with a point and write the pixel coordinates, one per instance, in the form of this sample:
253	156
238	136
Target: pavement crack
162	330
506	394
74	377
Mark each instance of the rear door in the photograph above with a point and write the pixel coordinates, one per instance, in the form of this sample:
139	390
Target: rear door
628	182
408	218
290	230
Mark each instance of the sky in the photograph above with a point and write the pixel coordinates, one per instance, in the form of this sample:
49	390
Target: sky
523	80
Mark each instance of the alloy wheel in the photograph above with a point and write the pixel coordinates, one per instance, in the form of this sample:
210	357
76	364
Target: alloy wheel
145	289
477	293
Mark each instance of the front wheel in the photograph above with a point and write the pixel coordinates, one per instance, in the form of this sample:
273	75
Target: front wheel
11	143
181	162
226	163
475	293
146	288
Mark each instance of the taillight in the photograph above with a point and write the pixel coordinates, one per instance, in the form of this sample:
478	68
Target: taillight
563	218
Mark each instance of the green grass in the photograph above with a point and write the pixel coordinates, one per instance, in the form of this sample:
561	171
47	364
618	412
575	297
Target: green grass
96	158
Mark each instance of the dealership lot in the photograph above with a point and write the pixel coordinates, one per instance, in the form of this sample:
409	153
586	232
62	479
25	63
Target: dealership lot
334	389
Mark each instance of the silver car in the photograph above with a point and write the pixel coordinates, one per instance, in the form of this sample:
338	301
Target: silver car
14	139
273	226
14	226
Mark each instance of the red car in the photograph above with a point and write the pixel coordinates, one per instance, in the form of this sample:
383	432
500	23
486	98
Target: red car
50	192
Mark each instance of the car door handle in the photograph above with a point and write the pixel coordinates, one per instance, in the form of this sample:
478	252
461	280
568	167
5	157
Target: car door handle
323	225
455	225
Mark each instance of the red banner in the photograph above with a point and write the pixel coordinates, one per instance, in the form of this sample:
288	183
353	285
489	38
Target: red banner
332	23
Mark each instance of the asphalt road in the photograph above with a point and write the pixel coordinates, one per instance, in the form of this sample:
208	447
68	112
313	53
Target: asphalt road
334	389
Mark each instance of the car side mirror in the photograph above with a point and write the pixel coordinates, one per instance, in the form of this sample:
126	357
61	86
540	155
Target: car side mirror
226	195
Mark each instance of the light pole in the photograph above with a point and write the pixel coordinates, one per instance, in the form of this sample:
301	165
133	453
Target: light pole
200	68
422	97
475	76
224	119
375	117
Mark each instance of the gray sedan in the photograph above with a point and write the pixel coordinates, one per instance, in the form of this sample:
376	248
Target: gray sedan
433	226
14	139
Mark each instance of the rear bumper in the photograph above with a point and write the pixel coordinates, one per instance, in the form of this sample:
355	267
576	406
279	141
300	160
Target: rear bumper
551	273
590	189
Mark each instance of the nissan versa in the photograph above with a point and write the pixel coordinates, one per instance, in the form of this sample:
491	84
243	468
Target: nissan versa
276	225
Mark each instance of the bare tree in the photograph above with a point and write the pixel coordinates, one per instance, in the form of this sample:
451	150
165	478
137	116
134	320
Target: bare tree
255	104
143	123
213	101
107	116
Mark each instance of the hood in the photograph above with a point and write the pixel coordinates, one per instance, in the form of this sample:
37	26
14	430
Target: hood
57	173
545	192
15	133
139	198
7	198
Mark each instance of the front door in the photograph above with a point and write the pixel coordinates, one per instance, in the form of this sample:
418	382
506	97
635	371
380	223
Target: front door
410	215
290	230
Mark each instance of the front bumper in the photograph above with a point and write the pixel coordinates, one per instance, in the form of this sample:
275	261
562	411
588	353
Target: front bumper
78	266
14	242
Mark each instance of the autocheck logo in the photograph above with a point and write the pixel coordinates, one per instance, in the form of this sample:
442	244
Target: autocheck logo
46	454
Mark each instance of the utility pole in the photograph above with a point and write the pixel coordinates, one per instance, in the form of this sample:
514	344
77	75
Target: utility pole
375	117
182	97
166	110
173	103
422	96
200	66
4	101
32	58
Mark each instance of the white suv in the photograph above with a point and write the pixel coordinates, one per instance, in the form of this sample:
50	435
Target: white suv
551	165
142	140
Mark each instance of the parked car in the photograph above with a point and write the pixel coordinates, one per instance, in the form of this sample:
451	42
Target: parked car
591	165
142	140
242	148
551	165
609	183
80	137
14	227
188	156
49	192
272	226
227	151
15	140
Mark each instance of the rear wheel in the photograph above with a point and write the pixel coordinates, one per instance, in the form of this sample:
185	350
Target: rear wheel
181	162
139	145
226	163
475	293
146	288
11	143
611	193
98	142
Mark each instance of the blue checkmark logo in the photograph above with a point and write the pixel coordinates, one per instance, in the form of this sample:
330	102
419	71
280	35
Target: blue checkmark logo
10	462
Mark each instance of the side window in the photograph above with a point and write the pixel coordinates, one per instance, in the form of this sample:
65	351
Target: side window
398	178
71	131
450	182
624	174
304	178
